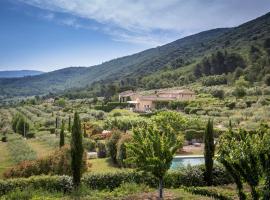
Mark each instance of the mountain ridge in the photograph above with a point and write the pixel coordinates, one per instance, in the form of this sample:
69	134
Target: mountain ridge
191	49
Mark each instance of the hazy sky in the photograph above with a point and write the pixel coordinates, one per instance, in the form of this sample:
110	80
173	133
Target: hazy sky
52	34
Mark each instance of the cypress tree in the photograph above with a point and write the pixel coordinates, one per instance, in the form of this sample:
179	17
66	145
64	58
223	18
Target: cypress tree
76	150
62	134
56	122
209	152
69	123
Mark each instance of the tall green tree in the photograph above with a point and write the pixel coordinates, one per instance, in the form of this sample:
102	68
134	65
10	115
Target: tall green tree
56	122
76	150
243	154
209	152
152	150
62	134
69	123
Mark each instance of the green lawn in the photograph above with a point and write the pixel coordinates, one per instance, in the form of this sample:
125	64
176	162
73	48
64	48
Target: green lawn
101	165
5	161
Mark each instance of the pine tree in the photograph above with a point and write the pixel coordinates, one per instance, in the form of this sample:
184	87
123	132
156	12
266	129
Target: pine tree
209	152
76	150
62	134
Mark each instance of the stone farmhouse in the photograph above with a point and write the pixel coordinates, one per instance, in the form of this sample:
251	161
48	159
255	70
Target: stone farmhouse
145	103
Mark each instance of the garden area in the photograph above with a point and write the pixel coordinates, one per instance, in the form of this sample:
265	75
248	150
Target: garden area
128	155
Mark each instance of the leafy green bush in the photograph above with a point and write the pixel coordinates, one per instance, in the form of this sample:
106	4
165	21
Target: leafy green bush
214	80
88	144
175	105
101	150
111	145
193	134
121	149
30	135
218	93
50	183
206	192
111	105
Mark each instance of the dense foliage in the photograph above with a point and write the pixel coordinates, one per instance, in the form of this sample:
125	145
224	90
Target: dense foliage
58	163
76	151
152	149
246	157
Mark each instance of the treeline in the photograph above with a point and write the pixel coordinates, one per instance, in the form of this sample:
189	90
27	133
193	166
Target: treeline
219	63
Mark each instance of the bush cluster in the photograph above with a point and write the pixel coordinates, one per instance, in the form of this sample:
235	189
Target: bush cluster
57	163
214	80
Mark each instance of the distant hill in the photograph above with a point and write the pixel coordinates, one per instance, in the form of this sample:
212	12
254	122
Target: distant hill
138	69
19	73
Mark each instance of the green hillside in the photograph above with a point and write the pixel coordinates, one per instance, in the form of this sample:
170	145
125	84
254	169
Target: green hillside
169	65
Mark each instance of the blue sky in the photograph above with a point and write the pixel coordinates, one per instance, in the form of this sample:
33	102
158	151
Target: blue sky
51	34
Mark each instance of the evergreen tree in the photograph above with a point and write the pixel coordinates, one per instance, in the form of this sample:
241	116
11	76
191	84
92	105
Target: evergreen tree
62	134
69	123
56	122
209	152
76	150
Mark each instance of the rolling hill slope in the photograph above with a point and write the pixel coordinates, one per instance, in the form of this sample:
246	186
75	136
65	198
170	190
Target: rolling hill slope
187	50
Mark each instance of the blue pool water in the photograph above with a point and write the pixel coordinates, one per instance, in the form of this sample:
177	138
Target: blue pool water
183	161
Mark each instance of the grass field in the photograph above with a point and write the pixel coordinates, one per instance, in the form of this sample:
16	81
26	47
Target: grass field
40	148
103	165
5	160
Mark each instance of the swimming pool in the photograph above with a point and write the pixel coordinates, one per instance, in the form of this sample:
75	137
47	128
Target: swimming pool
183	161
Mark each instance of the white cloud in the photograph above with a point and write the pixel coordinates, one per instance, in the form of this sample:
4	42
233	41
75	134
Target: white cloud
141	21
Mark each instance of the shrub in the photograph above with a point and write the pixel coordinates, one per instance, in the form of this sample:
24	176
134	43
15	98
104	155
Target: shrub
111	105
206	192
111	145
239	92
189	176
267	79
218	93
57	163
121	149
230	104
101	150
214	80
30	135
193	134
176	105
89	145
50	183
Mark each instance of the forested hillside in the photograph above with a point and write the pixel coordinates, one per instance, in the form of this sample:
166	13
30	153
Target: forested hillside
244	49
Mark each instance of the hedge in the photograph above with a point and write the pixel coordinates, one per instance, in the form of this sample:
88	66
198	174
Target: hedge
110	106
190	176
50	183
206	192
